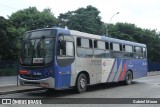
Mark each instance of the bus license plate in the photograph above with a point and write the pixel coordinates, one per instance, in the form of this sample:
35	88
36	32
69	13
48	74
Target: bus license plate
36	73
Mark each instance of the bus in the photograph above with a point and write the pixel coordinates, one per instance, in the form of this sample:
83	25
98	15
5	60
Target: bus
57	58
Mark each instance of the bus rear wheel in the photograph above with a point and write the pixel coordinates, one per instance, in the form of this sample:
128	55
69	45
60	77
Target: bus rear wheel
129	76
81	83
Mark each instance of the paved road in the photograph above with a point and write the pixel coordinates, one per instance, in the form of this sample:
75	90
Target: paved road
12	80
146	87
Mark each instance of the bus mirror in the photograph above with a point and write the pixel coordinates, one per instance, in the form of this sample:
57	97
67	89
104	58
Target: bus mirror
62	47
62	44
61	41
61	37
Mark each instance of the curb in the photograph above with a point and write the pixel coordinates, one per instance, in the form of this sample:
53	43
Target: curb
153	73
20	91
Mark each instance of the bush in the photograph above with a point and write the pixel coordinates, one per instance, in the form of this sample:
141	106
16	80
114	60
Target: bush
8	72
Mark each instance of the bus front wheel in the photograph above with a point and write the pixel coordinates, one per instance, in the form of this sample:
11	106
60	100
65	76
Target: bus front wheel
128	80
81	83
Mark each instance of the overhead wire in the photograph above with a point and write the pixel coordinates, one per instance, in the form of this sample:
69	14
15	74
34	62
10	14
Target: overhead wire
7	6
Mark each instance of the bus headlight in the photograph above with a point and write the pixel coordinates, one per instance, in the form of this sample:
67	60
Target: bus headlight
45	85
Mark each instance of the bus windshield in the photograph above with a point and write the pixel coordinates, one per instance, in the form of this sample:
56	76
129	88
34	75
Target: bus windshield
37	51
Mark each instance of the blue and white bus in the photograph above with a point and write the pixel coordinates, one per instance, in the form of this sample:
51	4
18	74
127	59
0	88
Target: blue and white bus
60	58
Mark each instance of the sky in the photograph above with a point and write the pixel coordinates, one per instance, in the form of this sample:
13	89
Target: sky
142	13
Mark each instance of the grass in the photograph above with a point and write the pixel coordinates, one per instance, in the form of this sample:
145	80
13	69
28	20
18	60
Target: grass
8	72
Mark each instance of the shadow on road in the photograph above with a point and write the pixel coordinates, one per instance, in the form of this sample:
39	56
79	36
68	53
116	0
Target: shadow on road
61	93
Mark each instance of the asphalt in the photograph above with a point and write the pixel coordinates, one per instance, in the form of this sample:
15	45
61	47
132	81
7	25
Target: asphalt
17	89
10	89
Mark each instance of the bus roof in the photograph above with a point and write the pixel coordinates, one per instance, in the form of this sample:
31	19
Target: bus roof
103	38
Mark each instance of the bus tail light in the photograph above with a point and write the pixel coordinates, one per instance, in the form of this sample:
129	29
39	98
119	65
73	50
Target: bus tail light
23	72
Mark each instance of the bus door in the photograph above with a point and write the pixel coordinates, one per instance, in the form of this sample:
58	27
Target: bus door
65	58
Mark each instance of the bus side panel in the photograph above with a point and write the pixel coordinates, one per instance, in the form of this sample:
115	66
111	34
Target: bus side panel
73	74
121	67
112	72
118	70
62	77
62	74
137	66
140	68
106	68
85	64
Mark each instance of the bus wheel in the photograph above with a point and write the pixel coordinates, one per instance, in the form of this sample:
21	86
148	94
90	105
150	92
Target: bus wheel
81	83
128	80
50	91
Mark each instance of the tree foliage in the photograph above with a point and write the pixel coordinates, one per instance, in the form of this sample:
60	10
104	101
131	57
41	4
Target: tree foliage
131	32
83	19
31	19
8	41
12	30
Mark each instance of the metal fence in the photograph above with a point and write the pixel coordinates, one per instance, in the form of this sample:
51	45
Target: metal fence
8	72
153	66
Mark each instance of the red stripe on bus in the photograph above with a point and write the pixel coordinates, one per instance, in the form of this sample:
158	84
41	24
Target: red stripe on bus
123	72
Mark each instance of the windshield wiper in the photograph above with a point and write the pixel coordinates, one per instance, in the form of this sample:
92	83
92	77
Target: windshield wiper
37	50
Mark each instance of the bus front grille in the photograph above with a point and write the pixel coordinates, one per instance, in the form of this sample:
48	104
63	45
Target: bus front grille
30	76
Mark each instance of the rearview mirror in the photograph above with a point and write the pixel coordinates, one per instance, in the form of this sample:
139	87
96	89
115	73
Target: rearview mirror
62	44
61	41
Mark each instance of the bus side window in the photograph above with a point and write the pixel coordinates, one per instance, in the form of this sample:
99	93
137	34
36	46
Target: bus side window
116	50
65	50
144	53
120	46
107	45
128	51
79	42
84	47
69	49
95	44
124	48
138	52
101	49
111	46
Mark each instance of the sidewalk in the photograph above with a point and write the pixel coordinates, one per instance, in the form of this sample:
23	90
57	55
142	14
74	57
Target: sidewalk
8	80
153	73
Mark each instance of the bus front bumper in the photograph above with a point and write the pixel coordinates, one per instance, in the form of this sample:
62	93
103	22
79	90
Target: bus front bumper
45	83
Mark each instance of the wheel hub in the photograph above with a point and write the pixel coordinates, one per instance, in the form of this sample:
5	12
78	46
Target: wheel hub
82	83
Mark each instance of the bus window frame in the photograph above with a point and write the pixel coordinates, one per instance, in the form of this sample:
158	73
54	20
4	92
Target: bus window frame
90	47
112	50
97	48
69	58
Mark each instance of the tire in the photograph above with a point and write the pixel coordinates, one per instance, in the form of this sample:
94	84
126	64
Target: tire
21	83
128	80
50	91
81	83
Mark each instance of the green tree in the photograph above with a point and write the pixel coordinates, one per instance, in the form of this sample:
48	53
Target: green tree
127	31
8	41
22	21
83	19
31	18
